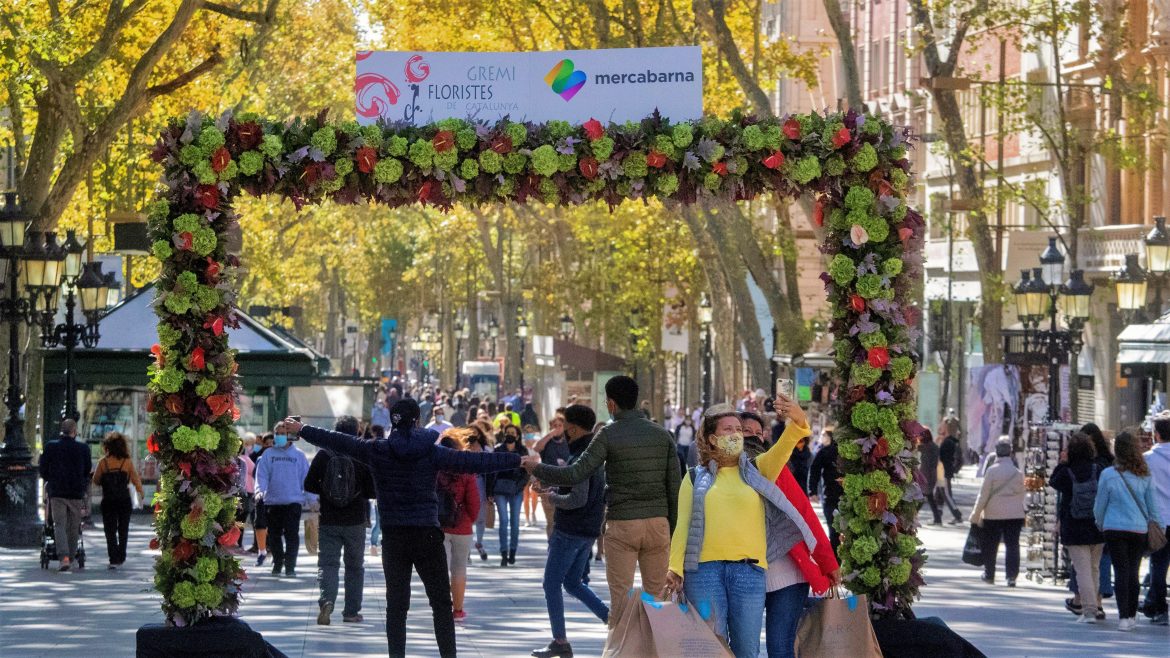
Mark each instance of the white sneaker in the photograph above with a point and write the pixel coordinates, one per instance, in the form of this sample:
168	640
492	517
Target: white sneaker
1086	619
1126	624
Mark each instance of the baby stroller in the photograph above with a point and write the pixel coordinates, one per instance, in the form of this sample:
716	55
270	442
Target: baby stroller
49	544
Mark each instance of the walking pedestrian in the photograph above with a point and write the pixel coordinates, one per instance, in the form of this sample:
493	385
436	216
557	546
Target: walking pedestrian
65	467
405	465
478	442
1158	460
723	543
577	524
115	474
801	462
280	483
247	486
951	457
439	421
528	416
1125	503
999	510
642	476
928	466
260	511
508	493
529	437
1075	479
345	488
825	470
1104	460
459	504
684	438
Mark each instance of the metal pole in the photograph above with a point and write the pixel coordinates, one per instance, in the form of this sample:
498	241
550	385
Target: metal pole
15	447
706	367
1054	354
18	479
69	336
772	359
521	364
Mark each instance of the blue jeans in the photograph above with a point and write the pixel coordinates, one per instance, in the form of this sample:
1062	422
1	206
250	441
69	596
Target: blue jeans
784	609
508	511
568	556
481	520
734	592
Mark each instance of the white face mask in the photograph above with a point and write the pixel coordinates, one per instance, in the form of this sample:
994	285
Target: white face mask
730	445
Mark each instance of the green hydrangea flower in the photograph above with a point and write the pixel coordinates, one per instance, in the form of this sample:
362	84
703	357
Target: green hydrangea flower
251	162
188	223
666	185
343	167
203	241
849	450
422	153
324	140
559	129
190	155
210	139
187	280
869	286
447	160
753	137
372	136
177	303
887	421
634	165
892	266
397	146
843	350
518	133
350	128
865	159
468	169
664	145
230	171
899	178
852	483
204	173
838	220
897	153
208	595
899	212
169	379
871	126
566	162
206	297
548	191
864	416
806	169
514	162
206	387
465	139
507	188
712	181
212	503
491	162
871	576
773	137
168	336
272	147
158	210
682	135
859	198
877	228
624	188
716	153
602	148
873	339
194	529
907	546
896	442
161	249
863	549
864	374
831	129
388	170
206	569
183	595
835	165
209	440
898	574
842	269
544	160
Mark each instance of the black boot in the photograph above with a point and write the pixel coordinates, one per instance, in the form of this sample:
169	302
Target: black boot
503	559
512	556
554	650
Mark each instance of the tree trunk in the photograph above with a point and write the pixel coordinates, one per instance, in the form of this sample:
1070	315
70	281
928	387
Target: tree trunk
841	29
711	15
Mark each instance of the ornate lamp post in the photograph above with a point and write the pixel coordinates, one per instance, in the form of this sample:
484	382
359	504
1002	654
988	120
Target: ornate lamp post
1157	243
705	317
522	334
1131	283
567	327
635	323
18	478
493	334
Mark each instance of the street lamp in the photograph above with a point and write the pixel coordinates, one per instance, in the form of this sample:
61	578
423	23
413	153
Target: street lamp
92	287
1131	283
522	334
705	317
493	334
1158	259
635	323
18	478
567	326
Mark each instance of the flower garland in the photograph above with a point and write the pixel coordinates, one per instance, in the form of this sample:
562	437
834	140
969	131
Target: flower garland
854	165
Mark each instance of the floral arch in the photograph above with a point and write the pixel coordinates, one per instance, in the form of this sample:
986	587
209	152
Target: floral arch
855	166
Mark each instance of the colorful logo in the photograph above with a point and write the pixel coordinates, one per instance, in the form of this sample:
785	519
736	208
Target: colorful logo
564	80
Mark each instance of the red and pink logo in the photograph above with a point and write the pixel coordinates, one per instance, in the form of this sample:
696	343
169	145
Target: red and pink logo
376	93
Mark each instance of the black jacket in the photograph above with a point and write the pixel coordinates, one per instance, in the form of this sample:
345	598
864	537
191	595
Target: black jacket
799	465
948	454
1074	532
65	466
555	449
357	511
824	467
586	520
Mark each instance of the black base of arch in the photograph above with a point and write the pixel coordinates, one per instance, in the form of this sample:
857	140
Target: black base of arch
217	637
917	638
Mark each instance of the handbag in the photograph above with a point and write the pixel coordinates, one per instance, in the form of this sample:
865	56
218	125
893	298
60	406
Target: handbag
1155	534
679	630
973	549
837	626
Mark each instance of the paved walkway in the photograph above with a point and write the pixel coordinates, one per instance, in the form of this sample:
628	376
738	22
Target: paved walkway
96	612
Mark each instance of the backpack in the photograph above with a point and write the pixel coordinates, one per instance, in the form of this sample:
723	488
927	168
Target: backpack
340	486
116	484
1084	494
450	511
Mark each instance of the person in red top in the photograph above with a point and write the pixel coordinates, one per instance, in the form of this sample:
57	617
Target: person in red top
458	501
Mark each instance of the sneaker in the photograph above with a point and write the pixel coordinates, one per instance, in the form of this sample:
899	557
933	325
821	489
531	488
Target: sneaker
990	580
111	567
374	550
323	614
260	559
353	619
64	565
1161	620
291	573
1126	624
276	570
483	555
1086	619
460	615
1011	582
1100	616
1072	607
554	650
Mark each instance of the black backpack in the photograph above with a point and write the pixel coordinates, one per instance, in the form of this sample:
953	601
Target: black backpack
1084	495
116	484
340	485
450	511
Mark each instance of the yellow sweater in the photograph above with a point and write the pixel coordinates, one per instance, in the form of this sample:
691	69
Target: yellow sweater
733	511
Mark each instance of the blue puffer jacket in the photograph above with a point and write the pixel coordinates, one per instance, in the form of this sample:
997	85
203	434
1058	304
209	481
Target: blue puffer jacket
404	468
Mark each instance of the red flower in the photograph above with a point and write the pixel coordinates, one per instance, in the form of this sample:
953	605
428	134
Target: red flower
857	303
884	188
312	173
213	270
818	213
150	404
443	141
719	168
502	144
588	167
880	449
905	233
367	157
857	394
151	444
175	405
792	129
248	134
877	503
215	324
841	138
185	467
655	159
219	404
878	357
183	551
774	161
230	537
220	159
183	241
196	361
159	358
425	192
593	129
207	196
235	414
154	543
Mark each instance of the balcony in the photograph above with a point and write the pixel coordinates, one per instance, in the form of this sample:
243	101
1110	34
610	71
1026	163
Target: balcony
1102	250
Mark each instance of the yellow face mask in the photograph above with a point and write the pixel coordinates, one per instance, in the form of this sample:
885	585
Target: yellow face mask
730	445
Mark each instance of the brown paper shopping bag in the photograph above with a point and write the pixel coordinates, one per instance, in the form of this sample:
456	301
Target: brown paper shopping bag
837	627
631	636
679	630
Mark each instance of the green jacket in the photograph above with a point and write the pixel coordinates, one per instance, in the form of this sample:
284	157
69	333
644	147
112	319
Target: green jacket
641	468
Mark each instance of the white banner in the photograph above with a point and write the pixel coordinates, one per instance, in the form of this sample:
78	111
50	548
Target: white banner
616	85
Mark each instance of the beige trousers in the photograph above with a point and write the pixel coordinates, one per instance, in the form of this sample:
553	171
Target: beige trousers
638	543
1087	561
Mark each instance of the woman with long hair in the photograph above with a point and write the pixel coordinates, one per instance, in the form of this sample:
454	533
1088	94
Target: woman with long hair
1075	479
461	490
477	441
508	491
1124	505
1103	459
115	473
531	498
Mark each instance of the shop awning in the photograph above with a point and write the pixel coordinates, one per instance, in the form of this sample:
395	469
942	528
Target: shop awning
1145	343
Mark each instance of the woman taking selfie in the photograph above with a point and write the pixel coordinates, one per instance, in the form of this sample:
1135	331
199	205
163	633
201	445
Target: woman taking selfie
732	522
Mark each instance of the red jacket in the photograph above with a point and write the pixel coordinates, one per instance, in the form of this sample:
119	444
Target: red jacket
466	491
823	554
